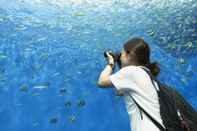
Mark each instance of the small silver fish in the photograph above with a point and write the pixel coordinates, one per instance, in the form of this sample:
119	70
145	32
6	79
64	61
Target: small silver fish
41	86
41	39
2	56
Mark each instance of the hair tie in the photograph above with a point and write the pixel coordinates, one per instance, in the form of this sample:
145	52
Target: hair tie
147	64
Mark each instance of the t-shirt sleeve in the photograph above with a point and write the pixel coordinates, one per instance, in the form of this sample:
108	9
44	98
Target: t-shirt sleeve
124	79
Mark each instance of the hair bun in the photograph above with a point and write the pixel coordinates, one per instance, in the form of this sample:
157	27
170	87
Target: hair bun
154	68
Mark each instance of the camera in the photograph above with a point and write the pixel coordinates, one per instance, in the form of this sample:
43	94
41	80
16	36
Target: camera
115	55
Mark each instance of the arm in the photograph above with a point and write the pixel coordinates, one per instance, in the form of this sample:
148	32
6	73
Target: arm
104	80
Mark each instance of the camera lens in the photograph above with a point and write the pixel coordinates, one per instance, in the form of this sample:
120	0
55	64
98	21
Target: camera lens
105	53
117	56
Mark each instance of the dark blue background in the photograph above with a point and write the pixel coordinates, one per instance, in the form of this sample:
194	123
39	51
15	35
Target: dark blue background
51	55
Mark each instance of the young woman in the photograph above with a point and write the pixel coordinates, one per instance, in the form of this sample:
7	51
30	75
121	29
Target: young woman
135	84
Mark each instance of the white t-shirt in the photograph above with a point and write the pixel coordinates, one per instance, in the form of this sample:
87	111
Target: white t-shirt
135	82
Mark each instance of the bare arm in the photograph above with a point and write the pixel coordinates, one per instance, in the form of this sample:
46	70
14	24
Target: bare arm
104	80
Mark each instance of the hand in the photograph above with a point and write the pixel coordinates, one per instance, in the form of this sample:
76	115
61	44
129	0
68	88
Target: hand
110	58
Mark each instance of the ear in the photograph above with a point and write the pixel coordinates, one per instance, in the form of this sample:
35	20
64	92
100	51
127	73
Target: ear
127	54
130	56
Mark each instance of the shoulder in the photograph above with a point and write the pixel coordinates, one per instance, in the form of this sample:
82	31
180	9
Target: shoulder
130	68
129	77
128	72
125	78
134	72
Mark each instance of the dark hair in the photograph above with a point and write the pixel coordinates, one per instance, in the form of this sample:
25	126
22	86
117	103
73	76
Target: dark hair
142	54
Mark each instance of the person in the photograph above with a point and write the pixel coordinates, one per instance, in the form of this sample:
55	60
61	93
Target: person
134	84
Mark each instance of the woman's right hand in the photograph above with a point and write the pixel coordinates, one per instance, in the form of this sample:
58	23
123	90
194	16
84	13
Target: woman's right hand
110	58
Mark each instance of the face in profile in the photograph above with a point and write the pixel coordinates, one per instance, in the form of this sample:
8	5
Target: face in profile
123	59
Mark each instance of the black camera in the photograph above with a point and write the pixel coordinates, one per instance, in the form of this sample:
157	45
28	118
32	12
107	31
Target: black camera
115	55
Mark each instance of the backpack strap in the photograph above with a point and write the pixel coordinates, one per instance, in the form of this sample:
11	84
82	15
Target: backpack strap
184	124
151	76
151	118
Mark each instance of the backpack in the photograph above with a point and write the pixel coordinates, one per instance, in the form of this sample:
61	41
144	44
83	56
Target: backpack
177	114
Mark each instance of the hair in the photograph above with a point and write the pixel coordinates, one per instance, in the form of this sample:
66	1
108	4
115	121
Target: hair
141	51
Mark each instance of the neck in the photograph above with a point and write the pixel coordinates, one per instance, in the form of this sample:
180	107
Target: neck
129	64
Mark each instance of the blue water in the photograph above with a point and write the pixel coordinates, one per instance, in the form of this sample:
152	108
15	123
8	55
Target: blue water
51	55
